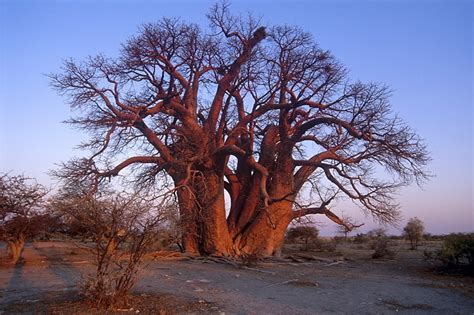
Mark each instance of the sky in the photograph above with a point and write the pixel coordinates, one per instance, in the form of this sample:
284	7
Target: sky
421	49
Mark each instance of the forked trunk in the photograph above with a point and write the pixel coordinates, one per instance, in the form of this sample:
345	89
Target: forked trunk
251	228
263	236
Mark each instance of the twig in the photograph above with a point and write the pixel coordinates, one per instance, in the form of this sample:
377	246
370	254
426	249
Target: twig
283	282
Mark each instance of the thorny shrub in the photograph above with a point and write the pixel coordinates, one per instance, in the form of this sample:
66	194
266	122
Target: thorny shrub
382	249
123	227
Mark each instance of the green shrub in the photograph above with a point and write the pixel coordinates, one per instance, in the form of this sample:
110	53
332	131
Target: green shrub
458	250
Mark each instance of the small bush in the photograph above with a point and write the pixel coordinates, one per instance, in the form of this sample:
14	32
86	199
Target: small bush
339	239
377	234
123	227
380	242
429	237
382	250
457	252
329	246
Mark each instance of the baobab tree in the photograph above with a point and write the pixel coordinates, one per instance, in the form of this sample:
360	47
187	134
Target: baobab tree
260	113
21	212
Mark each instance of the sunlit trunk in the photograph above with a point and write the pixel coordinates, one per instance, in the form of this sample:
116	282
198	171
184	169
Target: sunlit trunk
15	248
188	222
203	218
266	234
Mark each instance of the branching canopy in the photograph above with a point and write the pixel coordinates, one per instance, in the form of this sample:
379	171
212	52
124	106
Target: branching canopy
246	101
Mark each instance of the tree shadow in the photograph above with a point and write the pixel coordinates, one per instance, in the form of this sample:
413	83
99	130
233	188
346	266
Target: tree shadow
29	280
59	266
14	289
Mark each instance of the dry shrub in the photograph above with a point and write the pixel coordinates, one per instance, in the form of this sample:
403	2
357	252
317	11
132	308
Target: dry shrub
413	231
380	243
382	250
22	216
328	246
123	227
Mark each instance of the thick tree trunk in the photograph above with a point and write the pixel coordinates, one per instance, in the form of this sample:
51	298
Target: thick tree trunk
266	234
266	231
215	237
252	227
15	248
263	235
188	222
203	217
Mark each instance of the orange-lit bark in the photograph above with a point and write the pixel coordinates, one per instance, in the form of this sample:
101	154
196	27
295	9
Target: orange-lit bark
15	248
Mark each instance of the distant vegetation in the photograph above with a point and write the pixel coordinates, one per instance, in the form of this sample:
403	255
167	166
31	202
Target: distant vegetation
303	234
456	253
414	231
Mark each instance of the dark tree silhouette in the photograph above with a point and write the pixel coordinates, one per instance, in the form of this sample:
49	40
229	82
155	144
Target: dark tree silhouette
260	112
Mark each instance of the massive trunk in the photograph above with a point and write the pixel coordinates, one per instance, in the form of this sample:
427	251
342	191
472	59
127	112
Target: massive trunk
203	217
260	230
256	225
266	233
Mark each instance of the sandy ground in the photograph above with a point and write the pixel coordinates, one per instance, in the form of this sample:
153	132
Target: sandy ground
51	271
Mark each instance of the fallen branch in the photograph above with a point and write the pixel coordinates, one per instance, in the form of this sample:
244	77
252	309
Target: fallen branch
336	263
296	258
279	283
259	270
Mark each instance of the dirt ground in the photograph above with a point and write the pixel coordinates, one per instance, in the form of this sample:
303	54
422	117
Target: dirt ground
46	283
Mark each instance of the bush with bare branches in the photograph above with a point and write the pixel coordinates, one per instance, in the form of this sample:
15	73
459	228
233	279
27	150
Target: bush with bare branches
122	226
380	243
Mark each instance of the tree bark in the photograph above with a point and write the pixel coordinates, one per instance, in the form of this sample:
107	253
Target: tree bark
15	248
266	234
203	217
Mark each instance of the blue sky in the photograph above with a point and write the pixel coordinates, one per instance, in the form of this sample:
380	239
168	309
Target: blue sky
421	49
